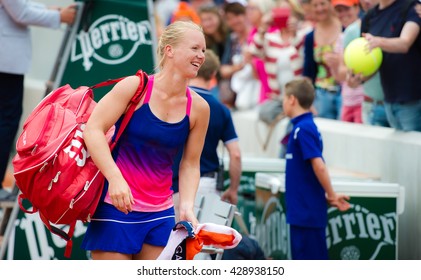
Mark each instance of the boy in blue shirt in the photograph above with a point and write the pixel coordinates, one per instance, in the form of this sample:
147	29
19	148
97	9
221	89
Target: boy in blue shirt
307	181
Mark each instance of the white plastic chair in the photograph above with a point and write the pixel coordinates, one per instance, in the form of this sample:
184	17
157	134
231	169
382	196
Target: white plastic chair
211	209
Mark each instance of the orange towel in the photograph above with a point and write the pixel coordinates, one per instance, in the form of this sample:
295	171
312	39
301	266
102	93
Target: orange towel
184	243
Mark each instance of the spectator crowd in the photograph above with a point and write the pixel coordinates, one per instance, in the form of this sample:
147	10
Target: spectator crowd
264	44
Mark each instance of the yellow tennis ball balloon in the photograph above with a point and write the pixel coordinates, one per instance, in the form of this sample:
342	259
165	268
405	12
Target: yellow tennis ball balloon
361	61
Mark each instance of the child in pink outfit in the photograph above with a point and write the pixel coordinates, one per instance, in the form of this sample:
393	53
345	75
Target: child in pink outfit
352	99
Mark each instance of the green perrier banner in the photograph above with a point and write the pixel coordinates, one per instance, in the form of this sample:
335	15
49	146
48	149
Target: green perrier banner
367	231
31	240
110	39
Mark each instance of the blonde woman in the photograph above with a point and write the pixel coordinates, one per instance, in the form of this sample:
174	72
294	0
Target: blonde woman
136	216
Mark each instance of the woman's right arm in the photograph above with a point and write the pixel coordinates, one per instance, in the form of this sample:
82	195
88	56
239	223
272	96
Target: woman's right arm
104	116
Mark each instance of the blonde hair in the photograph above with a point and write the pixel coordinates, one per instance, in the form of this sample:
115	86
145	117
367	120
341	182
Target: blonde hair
172	36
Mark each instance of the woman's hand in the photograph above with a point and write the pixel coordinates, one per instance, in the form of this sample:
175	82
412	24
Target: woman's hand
121	195
332	59
188	215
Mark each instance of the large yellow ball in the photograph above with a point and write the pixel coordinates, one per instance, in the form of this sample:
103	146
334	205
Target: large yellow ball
359	60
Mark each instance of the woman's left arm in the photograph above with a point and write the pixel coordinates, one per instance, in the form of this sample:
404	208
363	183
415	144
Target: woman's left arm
189	174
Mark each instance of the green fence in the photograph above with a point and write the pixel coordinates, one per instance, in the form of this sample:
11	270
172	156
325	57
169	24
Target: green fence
369	230
31	240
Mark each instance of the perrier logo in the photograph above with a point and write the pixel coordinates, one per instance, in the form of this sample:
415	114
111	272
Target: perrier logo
362	233
111	39
366	231
272	231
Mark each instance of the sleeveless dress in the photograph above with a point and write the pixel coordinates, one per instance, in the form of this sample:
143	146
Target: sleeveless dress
144	154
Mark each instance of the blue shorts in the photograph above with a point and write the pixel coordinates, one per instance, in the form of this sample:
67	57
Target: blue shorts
111	230
308	243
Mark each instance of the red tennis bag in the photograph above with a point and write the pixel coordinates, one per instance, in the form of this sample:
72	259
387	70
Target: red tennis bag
53	168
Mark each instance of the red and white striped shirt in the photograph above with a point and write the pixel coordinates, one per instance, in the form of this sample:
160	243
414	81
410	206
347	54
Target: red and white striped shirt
283	60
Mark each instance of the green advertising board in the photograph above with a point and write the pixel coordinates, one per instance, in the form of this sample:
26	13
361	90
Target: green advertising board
368	231
247	187
110	39
31	240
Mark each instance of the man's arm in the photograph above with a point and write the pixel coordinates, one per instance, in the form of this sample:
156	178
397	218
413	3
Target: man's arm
34	13
399	44
231	194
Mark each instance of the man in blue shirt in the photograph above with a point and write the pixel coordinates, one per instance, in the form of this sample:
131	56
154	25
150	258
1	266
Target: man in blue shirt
307	182
221	128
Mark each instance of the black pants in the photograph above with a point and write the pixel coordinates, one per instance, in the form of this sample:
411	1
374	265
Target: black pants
11	102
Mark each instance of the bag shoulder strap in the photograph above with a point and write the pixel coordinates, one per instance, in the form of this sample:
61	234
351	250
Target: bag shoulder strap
140	92
107	83
141	89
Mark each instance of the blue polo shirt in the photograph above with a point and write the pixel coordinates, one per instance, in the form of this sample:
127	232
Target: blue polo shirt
221	128
305	197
